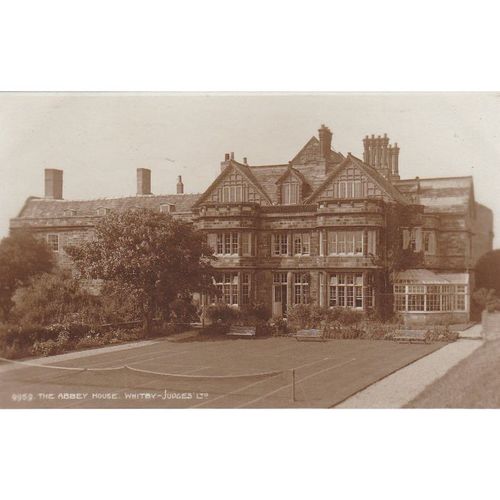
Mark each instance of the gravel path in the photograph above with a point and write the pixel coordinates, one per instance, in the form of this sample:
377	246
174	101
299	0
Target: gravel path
398	389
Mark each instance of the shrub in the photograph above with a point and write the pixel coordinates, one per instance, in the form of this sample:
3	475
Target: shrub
253	313
440	333
222	313
487	299
279	326
215	330
182	310
313	316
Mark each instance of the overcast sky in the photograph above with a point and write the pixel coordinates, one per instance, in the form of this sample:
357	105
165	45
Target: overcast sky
100	139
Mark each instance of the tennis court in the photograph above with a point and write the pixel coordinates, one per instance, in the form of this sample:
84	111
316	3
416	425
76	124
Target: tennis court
233	373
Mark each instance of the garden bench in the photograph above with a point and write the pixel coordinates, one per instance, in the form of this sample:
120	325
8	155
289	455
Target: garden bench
411	337
311	334
241	331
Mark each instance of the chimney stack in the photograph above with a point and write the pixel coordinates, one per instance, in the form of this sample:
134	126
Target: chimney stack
245	161
225	163
379	154
53	184
325	141
180	185
143	181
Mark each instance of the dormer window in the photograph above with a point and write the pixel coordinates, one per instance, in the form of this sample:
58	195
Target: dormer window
103	211
69	212
290	192
167	208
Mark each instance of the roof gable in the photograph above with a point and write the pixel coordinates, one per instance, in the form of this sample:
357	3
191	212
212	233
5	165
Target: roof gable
291	172
372	183
235	174
310	152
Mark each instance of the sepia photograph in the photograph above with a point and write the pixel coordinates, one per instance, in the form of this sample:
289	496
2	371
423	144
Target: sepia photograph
249	250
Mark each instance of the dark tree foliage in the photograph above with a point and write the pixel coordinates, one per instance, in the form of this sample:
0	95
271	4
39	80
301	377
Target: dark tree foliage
394	258
488	271
153	256
22	256
55	298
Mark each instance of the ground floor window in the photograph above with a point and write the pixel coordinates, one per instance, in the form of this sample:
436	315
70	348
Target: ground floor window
227	284
429	298
351	290
245	288
232	286
301	288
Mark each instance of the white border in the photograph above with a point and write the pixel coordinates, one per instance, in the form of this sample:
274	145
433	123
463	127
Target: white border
251	46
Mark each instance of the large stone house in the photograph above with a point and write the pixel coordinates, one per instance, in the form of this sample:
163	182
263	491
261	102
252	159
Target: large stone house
323	228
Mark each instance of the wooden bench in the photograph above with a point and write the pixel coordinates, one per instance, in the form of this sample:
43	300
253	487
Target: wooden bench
310	335
411	337
241	331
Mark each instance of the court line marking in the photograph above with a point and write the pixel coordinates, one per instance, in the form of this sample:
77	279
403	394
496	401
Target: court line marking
297	381
236	391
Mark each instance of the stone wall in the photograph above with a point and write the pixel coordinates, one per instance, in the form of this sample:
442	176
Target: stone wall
491	325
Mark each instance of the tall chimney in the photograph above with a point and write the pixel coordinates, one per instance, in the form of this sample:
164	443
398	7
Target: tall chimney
325	141
225	163
180	185
395	161
143	181
378	153
53	184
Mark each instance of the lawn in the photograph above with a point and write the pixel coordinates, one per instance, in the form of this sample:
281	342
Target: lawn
229	373
472	383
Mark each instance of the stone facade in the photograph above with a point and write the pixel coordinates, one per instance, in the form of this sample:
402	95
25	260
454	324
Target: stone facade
315	230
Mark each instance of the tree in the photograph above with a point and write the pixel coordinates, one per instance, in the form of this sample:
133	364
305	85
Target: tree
156	258
488	271
55	298
22	256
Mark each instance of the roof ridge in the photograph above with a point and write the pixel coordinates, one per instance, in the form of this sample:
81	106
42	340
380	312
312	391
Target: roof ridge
139	196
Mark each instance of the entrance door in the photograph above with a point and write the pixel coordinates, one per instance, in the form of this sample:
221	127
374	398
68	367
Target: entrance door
279	295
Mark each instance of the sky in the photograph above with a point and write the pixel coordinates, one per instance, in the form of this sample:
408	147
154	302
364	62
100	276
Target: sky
100	139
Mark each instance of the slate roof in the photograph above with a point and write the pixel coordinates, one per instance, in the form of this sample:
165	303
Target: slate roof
441	194
45	208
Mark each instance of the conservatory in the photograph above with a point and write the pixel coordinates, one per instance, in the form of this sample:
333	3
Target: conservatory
426	297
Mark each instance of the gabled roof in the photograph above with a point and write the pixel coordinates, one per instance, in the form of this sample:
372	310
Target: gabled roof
313	145
289	171
45	208
245	171
371	172
313	141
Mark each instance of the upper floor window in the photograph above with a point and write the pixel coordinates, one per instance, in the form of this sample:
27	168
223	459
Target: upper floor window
233	189
53	242
429	242
290	193
166	208
416	240
301	244
102	211
227	244
345	243
280	244
353	184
